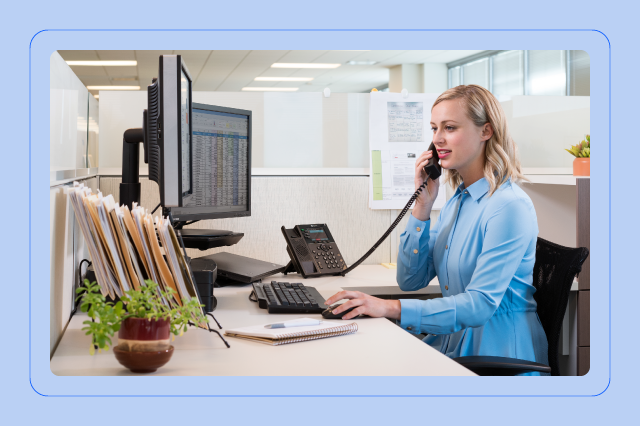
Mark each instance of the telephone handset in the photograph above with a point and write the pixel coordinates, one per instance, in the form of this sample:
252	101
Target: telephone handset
314	252
433	169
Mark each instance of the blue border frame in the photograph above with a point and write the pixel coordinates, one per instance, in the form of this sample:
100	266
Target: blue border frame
317	30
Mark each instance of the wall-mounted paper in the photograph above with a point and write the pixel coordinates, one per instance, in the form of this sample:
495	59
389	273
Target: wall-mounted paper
397	136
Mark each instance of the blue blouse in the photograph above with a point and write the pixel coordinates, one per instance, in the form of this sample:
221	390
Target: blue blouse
483	250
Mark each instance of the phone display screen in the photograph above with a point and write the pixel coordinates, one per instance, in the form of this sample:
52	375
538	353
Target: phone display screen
315	234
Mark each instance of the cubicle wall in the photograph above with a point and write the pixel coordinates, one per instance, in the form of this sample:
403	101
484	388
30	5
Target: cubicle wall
73	156
67	250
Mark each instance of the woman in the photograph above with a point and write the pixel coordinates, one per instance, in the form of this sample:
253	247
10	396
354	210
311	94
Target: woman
482	247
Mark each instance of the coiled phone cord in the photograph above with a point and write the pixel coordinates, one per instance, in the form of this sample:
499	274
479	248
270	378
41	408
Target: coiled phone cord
391	228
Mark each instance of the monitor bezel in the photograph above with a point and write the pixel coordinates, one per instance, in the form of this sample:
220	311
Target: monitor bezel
170	131
183	217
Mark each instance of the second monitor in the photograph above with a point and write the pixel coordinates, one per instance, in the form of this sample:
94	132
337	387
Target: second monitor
219	166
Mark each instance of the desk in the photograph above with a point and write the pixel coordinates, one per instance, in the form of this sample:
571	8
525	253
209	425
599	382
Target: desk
379	348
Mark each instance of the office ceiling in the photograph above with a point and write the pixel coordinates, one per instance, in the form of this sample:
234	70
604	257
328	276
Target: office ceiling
231	70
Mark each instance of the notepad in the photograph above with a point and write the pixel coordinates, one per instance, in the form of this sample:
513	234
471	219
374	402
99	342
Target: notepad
282	336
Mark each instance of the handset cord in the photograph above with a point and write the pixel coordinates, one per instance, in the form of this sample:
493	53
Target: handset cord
391	228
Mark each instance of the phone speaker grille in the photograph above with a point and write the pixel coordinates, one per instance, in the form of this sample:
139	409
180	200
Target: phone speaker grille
300	248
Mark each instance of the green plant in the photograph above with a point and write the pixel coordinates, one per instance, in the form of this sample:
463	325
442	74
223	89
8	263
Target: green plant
581	150
144	303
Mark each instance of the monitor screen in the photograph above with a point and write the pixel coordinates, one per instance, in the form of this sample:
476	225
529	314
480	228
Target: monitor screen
220	164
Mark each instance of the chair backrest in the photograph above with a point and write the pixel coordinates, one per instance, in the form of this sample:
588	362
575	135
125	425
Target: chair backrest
553	274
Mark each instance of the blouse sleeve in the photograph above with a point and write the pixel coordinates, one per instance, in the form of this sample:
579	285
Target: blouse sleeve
415	268
508	233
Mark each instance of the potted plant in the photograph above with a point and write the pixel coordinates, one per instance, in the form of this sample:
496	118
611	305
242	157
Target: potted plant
143	321
582	152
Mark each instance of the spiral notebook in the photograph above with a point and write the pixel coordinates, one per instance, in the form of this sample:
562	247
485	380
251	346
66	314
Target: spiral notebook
282	336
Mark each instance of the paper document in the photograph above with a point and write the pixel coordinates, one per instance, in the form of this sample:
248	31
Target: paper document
399	131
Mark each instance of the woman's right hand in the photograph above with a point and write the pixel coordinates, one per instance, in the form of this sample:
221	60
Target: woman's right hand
424	202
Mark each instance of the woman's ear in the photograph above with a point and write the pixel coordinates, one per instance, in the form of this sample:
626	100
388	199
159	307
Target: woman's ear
487	132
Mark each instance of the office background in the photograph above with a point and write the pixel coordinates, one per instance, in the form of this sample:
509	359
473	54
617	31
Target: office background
310	152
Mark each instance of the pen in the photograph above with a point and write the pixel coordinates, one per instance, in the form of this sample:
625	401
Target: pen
294	323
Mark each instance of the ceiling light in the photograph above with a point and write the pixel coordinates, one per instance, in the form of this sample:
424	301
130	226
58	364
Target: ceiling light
103	63
283	79
113	87
96	96
362	62
308	65
269	89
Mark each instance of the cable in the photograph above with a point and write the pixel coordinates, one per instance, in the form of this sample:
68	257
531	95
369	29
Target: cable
391	228
154	210
75	309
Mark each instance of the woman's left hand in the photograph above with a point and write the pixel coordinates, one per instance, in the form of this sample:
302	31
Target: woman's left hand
365	305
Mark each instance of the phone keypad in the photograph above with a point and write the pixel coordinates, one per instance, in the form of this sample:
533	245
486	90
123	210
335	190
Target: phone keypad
327	256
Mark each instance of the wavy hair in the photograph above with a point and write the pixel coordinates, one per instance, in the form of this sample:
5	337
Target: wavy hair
501	152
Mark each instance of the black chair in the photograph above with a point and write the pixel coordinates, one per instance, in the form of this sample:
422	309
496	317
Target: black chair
553	274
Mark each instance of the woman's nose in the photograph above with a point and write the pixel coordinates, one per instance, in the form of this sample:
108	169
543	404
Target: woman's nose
438	136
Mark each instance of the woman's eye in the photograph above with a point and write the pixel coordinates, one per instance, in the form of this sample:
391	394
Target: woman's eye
449	128
433	129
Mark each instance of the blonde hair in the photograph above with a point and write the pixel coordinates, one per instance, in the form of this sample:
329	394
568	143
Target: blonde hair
501	152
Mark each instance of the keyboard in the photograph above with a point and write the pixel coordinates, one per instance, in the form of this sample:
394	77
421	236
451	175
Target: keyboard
288	298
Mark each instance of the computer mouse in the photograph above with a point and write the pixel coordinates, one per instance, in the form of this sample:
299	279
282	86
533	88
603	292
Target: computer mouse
328	313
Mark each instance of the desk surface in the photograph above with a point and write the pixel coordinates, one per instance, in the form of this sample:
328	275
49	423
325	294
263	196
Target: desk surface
379	348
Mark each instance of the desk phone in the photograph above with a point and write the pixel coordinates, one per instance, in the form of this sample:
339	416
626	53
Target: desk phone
313	251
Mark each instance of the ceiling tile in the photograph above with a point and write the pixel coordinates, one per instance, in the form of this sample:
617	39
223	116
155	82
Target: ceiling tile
302	56
452	55
116	55
91	71
78	55
121	71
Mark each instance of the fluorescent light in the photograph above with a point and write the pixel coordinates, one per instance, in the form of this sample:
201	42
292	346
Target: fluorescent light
283	79
362	62
113	87
308	65
103	63
269	89
96	96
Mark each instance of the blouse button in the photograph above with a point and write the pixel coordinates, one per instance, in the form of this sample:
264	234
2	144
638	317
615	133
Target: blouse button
415	251
446	247
446	287
418	229
409	328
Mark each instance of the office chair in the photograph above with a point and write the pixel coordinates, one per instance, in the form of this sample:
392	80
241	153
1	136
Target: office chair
553	274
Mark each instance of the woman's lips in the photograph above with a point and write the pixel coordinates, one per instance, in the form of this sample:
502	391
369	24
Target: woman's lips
443	153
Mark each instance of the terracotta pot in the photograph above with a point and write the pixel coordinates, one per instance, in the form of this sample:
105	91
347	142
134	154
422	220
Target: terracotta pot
581	167
143	335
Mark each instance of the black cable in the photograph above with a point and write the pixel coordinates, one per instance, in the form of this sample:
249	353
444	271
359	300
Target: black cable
154	210
391	228
80	282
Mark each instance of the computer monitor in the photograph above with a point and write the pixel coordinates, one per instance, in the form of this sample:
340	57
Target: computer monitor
220	165
167	131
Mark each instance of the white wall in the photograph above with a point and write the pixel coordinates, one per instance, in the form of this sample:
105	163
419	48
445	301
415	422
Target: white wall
543	126
68	117
290	130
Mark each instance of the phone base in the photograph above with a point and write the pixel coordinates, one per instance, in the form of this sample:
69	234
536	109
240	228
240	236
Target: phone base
290	268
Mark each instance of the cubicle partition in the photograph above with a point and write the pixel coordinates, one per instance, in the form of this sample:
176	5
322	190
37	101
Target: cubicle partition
73	154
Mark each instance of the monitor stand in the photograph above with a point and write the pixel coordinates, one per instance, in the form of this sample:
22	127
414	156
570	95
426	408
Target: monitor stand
204	232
